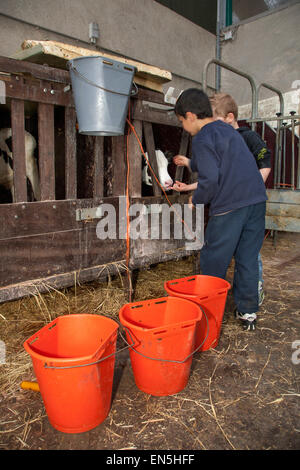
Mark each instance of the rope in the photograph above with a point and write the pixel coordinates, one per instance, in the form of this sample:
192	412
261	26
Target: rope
127	207
157	180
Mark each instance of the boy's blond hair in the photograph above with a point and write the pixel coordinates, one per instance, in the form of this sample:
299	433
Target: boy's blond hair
222	104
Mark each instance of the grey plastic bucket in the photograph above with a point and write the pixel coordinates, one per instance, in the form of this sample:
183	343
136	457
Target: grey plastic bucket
101	90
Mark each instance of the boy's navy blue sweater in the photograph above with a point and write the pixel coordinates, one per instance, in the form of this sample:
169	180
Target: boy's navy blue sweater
228	177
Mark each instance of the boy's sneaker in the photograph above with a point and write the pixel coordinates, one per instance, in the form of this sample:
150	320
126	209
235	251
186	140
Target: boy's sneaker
248	320
261	294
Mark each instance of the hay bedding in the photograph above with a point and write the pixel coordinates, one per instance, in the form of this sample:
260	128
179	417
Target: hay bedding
242	395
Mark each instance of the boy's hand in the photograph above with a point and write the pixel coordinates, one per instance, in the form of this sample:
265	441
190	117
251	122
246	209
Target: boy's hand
191	205
180	160
179	186
265	173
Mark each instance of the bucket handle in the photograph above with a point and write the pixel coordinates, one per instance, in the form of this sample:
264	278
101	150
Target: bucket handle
71	67
135	91
131	347
90	363
167	360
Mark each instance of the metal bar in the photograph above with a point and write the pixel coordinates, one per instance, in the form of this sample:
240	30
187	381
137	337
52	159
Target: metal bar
218	46
270	87
238	72
281	118
279	153
276	163
293	156
284	152
297	123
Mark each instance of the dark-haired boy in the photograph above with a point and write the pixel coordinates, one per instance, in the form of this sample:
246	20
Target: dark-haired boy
229	181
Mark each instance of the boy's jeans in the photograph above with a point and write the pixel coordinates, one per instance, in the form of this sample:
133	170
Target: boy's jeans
237	234
260	269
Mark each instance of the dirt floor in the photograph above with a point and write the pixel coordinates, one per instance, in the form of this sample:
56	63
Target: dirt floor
242	395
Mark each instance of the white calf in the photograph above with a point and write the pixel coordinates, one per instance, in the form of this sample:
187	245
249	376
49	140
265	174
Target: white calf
6	163
163	175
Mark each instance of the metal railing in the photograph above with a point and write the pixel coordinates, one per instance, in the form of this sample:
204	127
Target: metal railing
237	72
280	161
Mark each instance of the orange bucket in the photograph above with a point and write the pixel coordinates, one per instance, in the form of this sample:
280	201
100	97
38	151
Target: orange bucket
161	333
210	293
74	374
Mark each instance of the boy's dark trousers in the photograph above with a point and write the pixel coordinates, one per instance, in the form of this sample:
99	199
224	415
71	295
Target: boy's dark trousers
237	234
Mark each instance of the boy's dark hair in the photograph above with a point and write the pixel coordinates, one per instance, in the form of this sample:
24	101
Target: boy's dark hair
223	104
195	101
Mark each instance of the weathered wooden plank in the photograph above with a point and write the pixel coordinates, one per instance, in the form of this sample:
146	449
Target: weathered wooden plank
70	154
149	95
157	256
98	186
28	219
150	146
135	161
22	289
44	241
161	199
42	72
282	209
119	166
287	196
29	91
50	93
285	224
18	149
146	75
144	112
51	242
46	151
39	256
185	139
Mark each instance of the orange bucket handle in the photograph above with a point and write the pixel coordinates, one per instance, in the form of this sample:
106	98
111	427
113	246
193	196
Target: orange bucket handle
165	360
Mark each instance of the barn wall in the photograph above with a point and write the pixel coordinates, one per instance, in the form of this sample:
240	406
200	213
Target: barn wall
266	48
140	29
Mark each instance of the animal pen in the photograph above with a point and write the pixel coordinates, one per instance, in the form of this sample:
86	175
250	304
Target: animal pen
53	242
240	395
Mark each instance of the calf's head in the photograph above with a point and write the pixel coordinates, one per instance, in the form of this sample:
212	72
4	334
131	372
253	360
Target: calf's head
163	175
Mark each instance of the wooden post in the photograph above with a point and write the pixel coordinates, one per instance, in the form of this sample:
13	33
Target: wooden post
185	138
135	161
119	168
98	187
196	263
70	149
18	150
150	145
46	151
